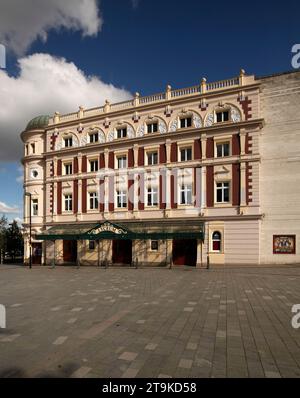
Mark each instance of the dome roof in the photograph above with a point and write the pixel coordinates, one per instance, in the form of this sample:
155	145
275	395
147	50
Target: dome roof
38	122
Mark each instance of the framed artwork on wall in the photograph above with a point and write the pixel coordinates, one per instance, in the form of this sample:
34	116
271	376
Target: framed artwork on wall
284	244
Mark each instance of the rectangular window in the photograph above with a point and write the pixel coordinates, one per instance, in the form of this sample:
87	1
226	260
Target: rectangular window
91	245
68	203
33	148
26	150
94	203
122	162
154	245
186	194
152	128
223	149
152	196
35	207
94	137
185	154
68	169
68	142
222	192
121	199
93	165
152	158
222	116
122	133
185	122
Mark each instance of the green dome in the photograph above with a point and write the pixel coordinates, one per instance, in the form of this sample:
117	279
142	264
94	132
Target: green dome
38	122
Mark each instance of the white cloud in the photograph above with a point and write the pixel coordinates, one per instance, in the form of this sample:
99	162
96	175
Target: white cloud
22	22
4	208
45	84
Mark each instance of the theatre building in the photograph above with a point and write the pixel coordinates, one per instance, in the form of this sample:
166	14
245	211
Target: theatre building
170	179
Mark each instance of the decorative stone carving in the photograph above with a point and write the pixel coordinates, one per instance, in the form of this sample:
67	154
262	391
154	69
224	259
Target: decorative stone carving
80	128
235	115
101	137
174	125
111	136
83	140
130	132
209	121
197	121
162	128
141	131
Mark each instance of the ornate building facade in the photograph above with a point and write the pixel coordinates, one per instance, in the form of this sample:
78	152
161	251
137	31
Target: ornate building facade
210	171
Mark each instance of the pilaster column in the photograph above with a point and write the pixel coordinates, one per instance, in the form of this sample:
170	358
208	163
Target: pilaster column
106	194
168	189
243	184
168	151
106	158
203	146
243	141
79	196
203	187
135	155
136	192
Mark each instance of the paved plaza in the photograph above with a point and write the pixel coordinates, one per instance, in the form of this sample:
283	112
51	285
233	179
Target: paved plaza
92	322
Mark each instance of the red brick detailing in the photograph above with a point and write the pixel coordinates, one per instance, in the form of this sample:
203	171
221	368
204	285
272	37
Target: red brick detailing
162	154
76	165
59	167
53	139
101	196
174	152
84	164
111	160
130	194
162	179
84	195
210	186
236	184
173	197
111	206
236	149
210	148
75	195
141	156
59	197
130	158
248	144
248	183
101	161
141	205
197	150
246	107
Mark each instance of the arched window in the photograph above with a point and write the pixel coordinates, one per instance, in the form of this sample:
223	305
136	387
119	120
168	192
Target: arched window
216	241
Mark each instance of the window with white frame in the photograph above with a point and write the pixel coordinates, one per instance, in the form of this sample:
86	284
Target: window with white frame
222	189
68	202
222	116
93	199
186	194
34	207
68	168
185	154
93	137
216	240
223	149
122	162
68	142
94	165
154	245
152	127
122	132
152	158
152	196
185	122
121	199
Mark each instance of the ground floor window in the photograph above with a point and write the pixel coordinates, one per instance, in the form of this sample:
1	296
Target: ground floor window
216	241
154	245
91	245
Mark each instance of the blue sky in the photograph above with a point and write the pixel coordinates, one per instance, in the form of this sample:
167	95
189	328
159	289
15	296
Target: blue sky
134	46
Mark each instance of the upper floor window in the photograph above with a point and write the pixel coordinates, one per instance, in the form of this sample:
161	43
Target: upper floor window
186	194
121	199
185	154
34	207
94	203
68	168
216	241
68	202
222	149
152	158
94	137
33	148
185	122
26	150
122	132
222	116
152	196
223	192
122	162
152	128
68	142
94	165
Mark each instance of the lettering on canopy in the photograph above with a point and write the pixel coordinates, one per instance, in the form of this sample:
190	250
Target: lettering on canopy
107	227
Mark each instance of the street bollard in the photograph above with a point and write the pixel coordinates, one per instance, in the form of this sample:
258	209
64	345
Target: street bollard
207	267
